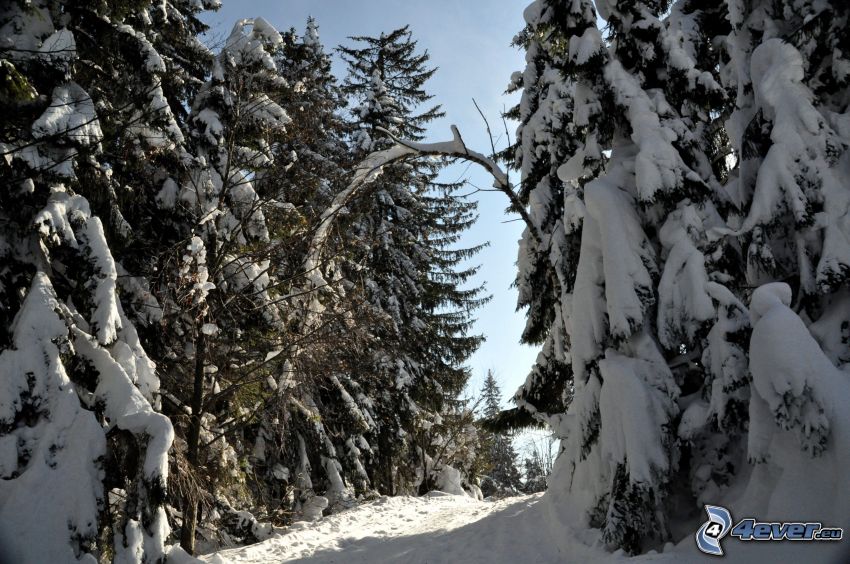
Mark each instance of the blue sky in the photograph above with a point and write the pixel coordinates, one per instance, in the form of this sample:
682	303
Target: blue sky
470	43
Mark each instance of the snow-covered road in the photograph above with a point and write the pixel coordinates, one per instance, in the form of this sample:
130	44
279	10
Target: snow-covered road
417	530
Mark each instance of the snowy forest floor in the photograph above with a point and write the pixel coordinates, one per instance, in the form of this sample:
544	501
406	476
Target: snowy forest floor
435	528
432	529
441	528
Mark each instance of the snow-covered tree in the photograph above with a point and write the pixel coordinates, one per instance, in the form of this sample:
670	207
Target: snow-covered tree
309	448
404	234
216	280
316	138
502	475
631	231
548	136
84	452
671	207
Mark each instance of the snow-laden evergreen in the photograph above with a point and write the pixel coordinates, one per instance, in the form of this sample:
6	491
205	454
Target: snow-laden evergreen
330	414
232	297
404	231
217	281
84	453
701	157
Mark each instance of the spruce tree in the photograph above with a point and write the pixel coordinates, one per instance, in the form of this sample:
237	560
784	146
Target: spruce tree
547	137
680	201
404	233
502	475
657	184
316	137
87	86
322	409
217	281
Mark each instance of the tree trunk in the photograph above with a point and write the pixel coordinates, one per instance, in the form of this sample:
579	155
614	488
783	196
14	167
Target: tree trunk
193	440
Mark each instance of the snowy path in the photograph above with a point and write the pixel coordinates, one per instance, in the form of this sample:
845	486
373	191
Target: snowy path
417	530
459	530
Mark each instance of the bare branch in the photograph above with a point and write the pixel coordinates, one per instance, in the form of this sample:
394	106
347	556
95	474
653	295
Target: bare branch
456	148
372	166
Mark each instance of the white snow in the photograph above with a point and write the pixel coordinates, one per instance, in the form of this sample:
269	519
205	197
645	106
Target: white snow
246	49
684	302
60	48
311	36
62	450
793	377
167	196
71	114
633	409
153	60
584	47
194	270
614	247
435	528
681	33
442	528
658	165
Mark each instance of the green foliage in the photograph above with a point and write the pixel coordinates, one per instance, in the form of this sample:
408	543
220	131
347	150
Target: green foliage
403	231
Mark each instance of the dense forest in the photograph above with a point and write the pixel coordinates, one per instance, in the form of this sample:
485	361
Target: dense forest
234	294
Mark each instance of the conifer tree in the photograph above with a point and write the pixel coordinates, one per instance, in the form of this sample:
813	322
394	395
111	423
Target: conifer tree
659	167
546	138
217	282
670	231
404	233
87	86
316	136
501	459
310	445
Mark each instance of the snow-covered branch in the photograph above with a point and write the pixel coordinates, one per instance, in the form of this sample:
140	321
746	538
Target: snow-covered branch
457	149
372	166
